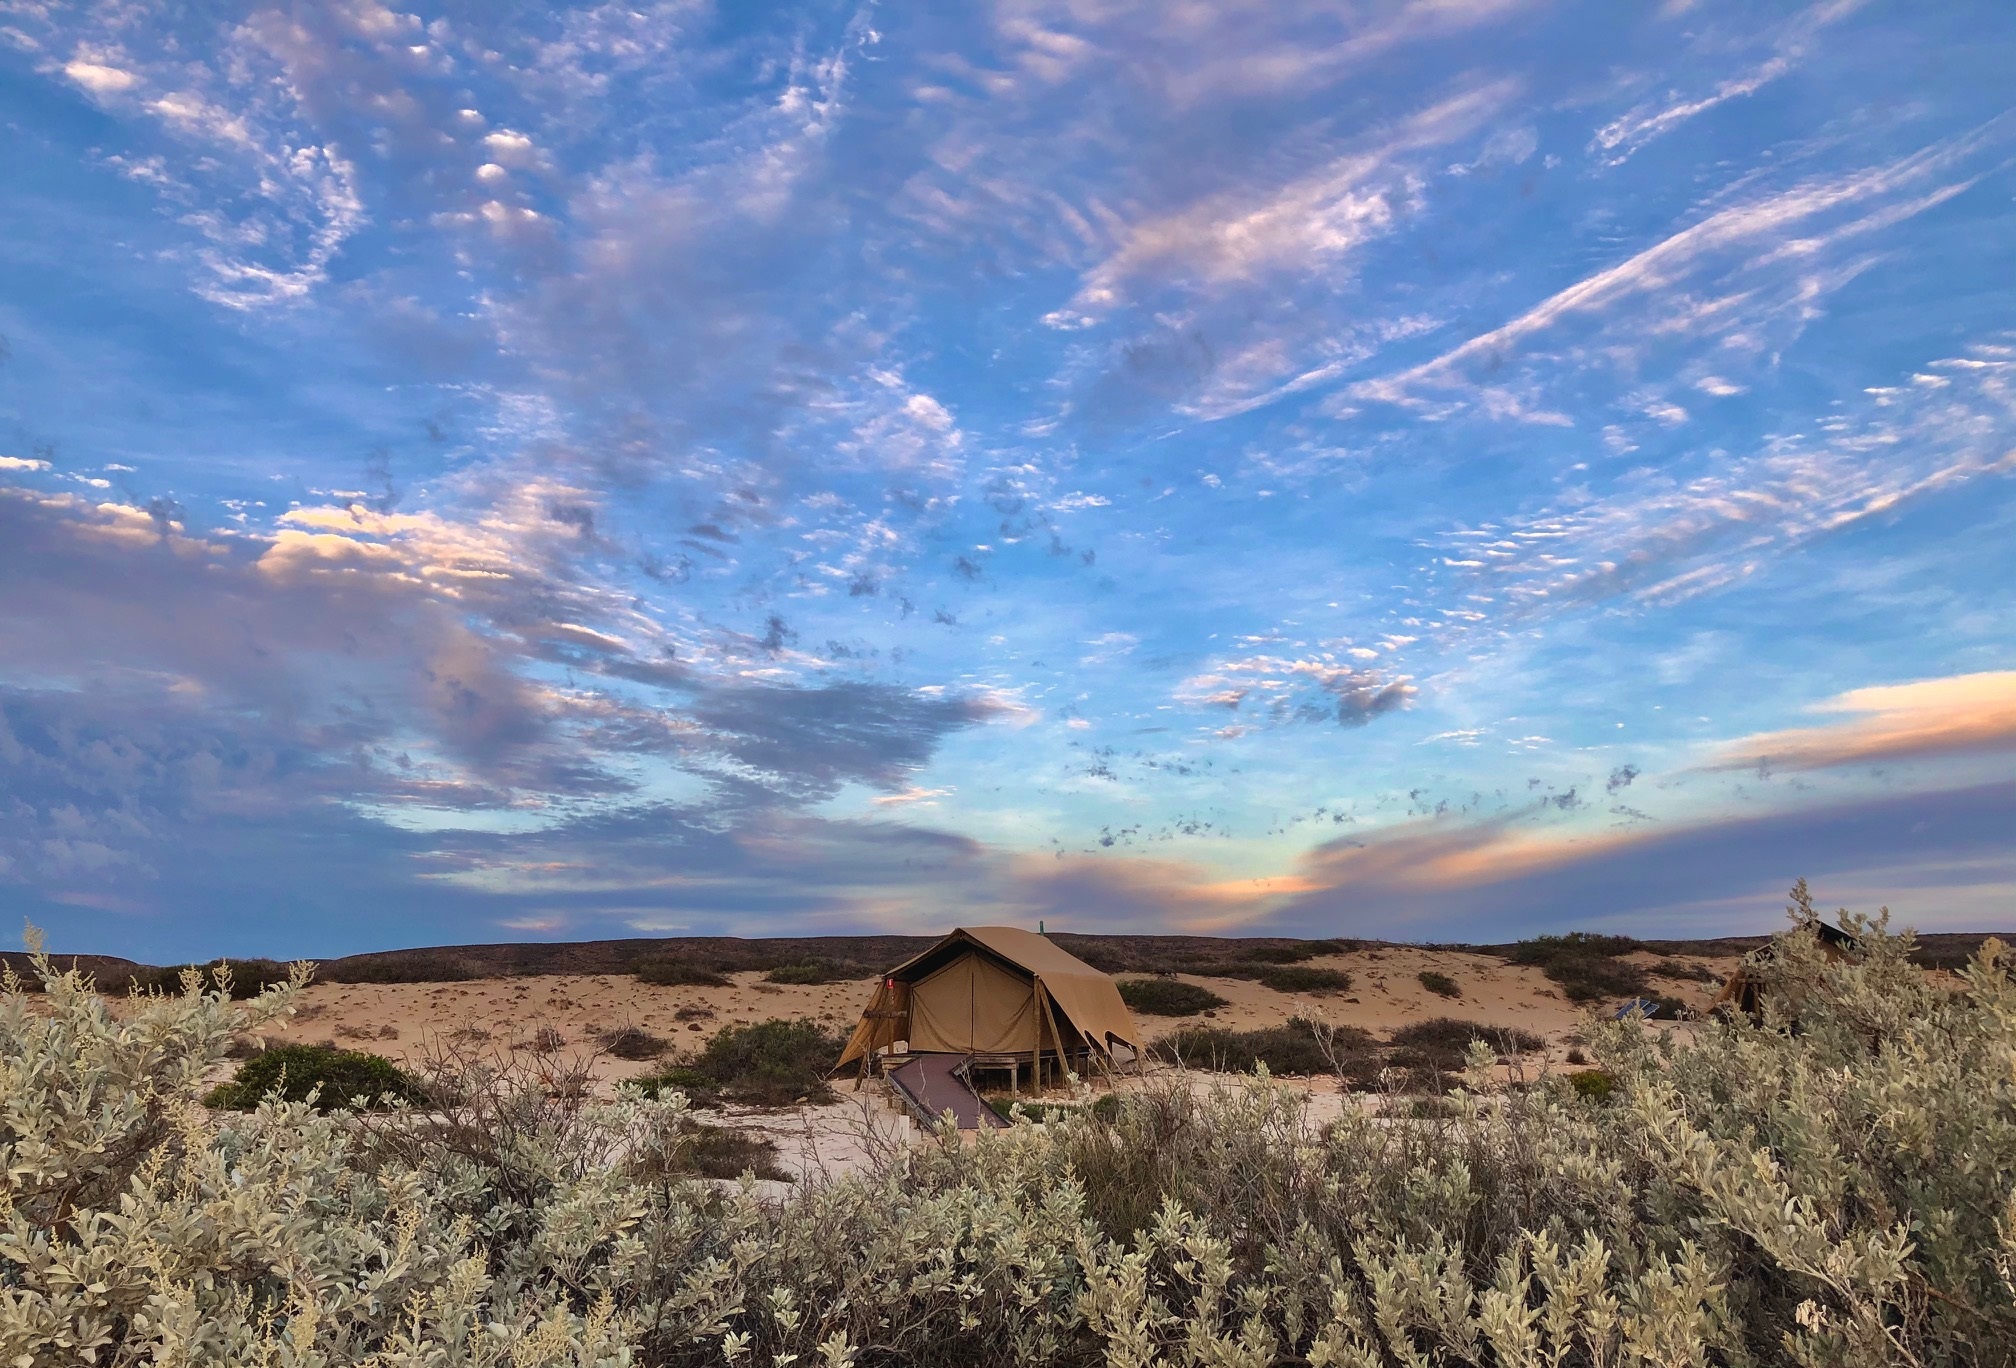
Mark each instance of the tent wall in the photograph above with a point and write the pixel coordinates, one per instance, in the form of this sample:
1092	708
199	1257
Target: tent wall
973	1006
886	1021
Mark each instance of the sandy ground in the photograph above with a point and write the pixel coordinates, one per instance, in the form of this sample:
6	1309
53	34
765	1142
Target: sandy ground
566	1015
567	1012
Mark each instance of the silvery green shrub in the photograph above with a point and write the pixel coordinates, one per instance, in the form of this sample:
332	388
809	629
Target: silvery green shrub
1832	1186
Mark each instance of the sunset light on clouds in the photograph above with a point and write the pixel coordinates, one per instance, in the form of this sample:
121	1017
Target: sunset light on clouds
1426	470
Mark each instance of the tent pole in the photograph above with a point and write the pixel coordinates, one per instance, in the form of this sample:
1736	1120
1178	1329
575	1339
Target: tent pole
1043	997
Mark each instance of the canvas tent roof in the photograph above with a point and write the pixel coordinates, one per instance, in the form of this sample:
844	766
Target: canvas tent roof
1088	998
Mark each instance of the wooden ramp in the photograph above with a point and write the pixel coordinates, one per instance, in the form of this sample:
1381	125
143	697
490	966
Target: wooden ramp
936	1083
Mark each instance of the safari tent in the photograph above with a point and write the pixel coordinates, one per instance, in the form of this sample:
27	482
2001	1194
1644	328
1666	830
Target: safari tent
998	997
1742	994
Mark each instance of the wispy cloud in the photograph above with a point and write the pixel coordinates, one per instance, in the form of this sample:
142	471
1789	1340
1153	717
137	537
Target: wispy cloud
1972	714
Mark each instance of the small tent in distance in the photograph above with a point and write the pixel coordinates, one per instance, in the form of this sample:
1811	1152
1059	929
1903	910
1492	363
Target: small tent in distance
999	997
1742	994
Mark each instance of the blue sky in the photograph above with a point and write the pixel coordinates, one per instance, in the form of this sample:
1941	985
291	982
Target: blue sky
1438	470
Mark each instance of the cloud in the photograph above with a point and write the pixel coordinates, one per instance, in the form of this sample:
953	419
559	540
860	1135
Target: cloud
1309	689
21	463
1968	714
1697	523
913	795
421	646
1733	246
1617	140
100	79
1724	875
1298	227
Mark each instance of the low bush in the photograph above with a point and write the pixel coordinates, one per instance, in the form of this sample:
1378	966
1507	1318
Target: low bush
1584	965
723	1152
1596	1085
1167	997
816	971
1103	1108
1750	1195
249	978
771	1063
1305	978
1438	983
702	1088
1300	1047
1691	970
337	1078
403	966
633	1043
1284	954
679	973
1446	1040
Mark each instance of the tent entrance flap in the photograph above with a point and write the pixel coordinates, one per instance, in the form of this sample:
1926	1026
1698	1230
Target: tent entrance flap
973	1006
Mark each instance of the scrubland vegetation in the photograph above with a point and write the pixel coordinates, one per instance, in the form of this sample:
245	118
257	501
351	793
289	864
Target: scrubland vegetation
768	1064
1169	997
1438	983
1835	1194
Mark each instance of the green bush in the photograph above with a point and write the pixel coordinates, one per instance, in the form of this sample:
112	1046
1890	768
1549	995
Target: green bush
1303	978
399	966
723	1152
249	978
337	1077
679	973
771	1063
633	1043
1584	965
1438	983
700	1087
1444	1041
816	971
1597	1085
1284	954
1167	997
1300	1047
1103	1108
1749	1195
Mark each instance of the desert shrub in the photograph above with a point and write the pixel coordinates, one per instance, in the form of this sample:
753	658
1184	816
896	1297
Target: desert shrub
679	973
633	1043
1755	1195
1690	970
1284	954
1439	983
816	971
337	1078
1444	1041
1305	978
1167	997
247	978
1596	1085
1300	1047
1584	965
700	1088
1009	1107
724	1152
400	966
771	1063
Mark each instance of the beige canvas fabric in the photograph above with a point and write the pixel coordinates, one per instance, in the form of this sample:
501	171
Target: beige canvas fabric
973	1005
1088	997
